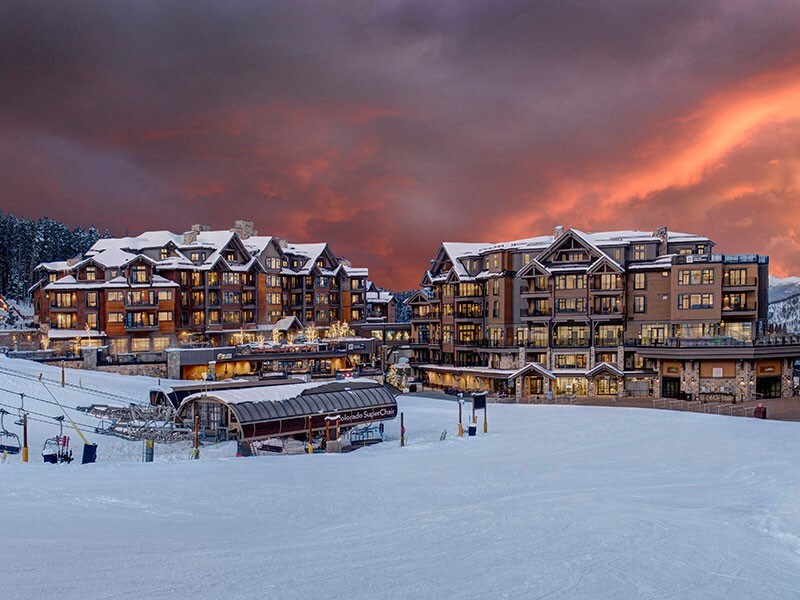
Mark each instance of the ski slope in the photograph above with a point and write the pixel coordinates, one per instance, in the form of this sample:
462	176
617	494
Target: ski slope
82	388
555	502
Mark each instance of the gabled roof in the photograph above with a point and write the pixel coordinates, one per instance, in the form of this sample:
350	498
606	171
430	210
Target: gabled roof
417	298
604	367
608	261
576	235
147	239
256	244
454	251
534	265
113	258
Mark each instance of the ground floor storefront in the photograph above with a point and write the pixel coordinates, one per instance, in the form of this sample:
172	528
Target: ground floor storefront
733	380
534	380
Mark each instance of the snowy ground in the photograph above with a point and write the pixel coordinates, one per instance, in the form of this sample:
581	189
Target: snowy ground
83	388
555	502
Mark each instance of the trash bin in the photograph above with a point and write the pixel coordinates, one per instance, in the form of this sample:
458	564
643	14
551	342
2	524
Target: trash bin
472	429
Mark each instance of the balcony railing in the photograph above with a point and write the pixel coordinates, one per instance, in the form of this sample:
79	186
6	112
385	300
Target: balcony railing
740	308
535	312
571	311
739	282
141	325
571	342
470	314
607	342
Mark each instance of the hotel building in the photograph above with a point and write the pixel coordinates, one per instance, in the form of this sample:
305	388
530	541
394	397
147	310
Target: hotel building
161	289
608	313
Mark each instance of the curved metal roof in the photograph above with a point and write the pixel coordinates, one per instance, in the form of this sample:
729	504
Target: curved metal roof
330	397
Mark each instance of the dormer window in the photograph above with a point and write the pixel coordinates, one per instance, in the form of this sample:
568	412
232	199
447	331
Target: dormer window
639	252
197	257
164	254
91	273
52	277
139	274
230	256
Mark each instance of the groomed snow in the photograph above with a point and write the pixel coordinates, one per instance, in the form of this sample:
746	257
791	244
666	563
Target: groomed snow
555	502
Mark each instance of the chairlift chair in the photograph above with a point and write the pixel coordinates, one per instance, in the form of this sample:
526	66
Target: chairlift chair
56	449
9	442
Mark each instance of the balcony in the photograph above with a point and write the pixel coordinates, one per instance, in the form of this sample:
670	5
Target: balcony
740	308
470	315
535	312
607	341
571	311
535	290
430	316
571	342
67	307
739	282
140	326
145	303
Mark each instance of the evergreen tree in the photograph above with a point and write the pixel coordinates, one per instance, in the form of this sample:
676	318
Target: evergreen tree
26	243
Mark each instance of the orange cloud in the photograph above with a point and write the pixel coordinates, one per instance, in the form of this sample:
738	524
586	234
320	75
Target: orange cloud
691	150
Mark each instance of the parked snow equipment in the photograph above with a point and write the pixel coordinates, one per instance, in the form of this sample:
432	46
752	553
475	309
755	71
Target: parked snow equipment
9	441
56	449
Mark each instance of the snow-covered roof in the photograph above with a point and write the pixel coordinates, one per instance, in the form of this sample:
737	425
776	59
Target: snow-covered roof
379	297
268	393
662	262
256	244
356	271
597	239
56	265
148	239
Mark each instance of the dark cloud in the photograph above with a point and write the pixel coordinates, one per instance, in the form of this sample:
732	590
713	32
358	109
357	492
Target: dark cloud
385	127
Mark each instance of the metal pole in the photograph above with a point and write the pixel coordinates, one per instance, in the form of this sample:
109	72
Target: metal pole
196	452
485	420
24	437
460	425
402	430
310	437
63	374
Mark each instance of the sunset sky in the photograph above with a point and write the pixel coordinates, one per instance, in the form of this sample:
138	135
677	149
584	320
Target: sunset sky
385	128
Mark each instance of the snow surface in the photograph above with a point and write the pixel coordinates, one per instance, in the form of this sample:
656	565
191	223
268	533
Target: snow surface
83	389
555	502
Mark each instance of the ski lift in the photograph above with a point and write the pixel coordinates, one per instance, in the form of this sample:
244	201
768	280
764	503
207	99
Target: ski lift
9	442
56	449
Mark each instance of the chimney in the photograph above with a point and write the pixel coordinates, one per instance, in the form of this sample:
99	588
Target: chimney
345	261
282	242
558	231
244	228
198	227
189	237
662	234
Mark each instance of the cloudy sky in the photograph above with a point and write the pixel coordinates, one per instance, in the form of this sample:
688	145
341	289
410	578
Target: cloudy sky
387	127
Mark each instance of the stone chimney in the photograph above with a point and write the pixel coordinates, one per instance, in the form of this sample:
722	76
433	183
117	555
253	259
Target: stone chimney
662	234
558	231
190	237
244	228
282	242
345	261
